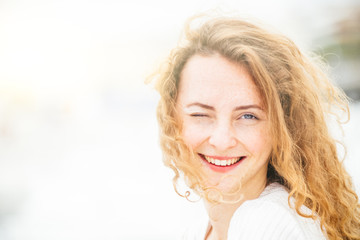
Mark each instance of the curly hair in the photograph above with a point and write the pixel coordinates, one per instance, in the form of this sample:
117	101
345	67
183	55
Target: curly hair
298	97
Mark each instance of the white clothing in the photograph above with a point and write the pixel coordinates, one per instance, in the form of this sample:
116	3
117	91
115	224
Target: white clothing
267	217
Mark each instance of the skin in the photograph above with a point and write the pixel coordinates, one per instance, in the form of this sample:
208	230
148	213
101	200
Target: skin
223	117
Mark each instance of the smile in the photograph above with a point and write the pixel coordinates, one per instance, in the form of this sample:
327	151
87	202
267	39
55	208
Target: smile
221	161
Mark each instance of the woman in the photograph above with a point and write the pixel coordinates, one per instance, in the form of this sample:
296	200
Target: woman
242	119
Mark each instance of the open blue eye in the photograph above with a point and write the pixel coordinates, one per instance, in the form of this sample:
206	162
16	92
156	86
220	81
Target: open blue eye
248	116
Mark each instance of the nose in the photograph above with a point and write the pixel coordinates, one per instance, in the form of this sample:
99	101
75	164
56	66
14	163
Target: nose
222	137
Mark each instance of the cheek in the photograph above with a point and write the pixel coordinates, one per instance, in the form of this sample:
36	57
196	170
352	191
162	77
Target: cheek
257	141
192	134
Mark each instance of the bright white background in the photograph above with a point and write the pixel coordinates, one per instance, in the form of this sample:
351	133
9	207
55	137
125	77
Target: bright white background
79	155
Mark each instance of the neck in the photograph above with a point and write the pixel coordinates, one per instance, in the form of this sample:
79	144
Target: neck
220	214
219	218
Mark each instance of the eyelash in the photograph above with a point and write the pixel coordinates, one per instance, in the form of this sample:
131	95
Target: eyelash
198	115
245	116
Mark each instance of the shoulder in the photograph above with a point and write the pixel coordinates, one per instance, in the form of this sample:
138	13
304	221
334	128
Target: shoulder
270	217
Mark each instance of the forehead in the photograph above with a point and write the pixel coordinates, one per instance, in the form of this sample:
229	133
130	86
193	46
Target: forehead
216	80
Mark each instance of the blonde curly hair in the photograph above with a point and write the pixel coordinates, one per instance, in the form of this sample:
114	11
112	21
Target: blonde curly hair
297	96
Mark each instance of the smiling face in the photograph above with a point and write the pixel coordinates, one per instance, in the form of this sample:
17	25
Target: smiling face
224	123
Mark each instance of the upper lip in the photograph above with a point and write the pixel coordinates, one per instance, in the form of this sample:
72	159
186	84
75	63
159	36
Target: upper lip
221	157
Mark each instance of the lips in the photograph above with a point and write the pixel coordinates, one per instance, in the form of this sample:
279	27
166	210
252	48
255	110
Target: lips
224	162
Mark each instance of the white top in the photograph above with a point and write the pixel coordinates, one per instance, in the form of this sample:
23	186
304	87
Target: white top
266	217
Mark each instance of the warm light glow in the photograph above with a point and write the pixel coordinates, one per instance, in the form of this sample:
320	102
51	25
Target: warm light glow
79	157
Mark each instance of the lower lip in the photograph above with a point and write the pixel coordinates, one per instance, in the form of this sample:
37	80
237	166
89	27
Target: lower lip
221	169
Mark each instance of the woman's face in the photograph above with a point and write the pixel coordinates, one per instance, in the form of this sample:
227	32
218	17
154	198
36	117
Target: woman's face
224	122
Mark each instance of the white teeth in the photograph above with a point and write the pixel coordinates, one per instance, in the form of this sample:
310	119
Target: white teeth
218	162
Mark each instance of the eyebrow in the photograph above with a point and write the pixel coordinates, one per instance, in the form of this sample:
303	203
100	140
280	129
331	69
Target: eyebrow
248	106
201	105
243	107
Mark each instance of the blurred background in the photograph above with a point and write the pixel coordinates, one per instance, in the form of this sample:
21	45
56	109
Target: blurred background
79	154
